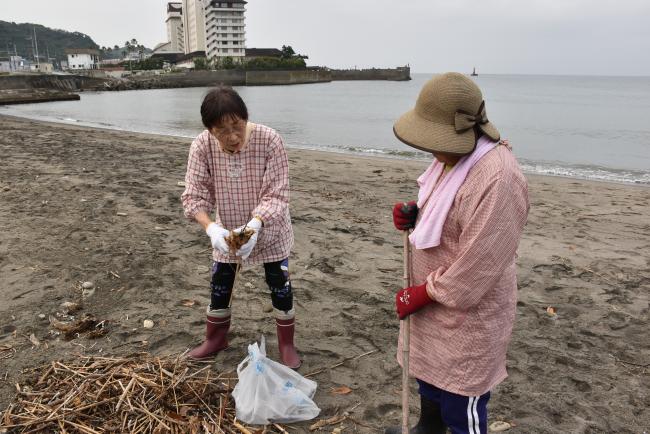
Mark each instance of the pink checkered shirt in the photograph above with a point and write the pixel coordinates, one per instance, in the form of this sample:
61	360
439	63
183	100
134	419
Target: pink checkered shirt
253	182
459	342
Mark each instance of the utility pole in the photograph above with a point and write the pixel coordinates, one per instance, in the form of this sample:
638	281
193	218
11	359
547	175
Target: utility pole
15	58
31	41
38	64
9	56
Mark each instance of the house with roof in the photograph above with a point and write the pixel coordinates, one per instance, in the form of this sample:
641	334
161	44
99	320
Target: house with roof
42	67
82	58
14	64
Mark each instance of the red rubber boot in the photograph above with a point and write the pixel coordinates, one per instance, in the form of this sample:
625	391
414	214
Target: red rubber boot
286	326
216	335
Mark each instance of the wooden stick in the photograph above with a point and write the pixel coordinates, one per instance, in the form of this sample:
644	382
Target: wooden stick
234	282
406	339
81	428
347	359
282	430
126	391
240	427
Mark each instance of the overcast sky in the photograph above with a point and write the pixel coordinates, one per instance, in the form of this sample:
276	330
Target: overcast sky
599	37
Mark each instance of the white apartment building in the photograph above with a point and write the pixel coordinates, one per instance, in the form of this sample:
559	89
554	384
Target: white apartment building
175	34
225	29
82	58
193	15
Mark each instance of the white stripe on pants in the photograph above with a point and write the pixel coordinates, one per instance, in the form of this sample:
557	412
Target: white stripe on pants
472	415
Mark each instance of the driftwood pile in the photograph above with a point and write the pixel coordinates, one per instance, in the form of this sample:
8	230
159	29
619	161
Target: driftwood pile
134	394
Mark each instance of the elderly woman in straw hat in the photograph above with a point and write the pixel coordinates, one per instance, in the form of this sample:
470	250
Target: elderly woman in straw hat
467	221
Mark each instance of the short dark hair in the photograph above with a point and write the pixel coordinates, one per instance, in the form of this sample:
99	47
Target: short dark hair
221	102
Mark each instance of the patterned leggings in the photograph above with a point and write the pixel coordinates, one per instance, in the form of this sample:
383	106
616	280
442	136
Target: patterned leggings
277	277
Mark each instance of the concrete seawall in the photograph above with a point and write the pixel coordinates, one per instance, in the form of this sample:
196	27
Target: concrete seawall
255	78
268	78
71	83
388	74
181	79
13	85
30	96
26	89
215	78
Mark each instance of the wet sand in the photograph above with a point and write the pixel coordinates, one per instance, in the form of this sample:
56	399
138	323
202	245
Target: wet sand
80	204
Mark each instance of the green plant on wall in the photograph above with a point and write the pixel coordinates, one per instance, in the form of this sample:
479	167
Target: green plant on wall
201	63
272	63
224	63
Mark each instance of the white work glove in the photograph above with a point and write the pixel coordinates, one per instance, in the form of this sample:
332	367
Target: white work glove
218	236
245	250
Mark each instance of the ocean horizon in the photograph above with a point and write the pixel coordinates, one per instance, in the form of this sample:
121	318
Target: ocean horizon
586	127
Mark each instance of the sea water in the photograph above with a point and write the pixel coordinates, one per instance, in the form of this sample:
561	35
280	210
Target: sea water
583	127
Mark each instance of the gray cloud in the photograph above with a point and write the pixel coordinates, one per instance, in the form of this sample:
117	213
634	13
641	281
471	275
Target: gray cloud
602	37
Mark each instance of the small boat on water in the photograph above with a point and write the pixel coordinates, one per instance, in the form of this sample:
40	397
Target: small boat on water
474	74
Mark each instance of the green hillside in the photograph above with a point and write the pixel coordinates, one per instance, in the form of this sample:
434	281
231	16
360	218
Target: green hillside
18	38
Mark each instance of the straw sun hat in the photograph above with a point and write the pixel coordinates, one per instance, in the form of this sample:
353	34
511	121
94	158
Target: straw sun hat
449	117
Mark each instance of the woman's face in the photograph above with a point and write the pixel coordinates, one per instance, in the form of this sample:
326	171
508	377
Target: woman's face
230	132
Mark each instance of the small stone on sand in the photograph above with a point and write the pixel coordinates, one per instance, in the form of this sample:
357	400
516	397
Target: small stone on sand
499	426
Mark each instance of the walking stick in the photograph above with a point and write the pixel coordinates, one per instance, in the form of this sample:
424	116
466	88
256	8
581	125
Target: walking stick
234	282
406	339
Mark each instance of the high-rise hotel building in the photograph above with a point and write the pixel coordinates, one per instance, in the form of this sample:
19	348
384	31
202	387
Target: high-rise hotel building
194	25
216	27
175	34
225	29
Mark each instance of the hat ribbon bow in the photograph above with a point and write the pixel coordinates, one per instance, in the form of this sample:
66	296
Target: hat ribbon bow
465	121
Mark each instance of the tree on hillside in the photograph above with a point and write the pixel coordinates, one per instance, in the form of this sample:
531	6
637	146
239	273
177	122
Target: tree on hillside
14	39
129	49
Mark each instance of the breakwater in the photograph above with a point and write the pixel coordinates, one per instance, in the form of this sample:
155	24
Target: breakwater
29	96
25	89
389	74
70	83
31	88
236	77
231	77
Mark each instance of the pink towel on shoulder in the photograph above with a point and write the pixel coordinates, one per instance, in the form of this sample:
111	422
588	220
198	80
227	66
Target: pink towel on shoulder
429	228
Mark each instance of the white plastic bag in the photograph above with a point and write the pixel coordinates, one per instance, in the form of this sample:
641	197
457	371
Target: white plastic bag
268	391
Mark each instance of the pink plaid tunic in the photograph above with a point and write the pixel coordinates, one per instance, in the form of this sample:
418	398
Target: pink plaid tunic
459	342
253	182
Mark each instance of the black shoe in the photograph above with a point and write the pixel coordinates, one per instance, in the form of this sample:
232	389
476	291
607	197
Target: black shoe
430	420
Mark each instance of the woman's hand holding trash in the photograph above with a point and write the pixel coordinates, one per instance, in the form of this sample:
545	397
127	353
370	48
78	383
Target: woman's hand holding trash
255	224
218	236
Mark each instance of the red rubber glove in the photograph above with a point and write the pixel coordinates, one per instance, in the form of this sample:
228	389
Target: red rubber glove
404	215
410	300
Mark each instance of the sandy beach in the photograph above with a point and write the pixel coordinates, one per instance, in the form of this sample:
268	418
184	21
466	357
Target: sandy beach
80	204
